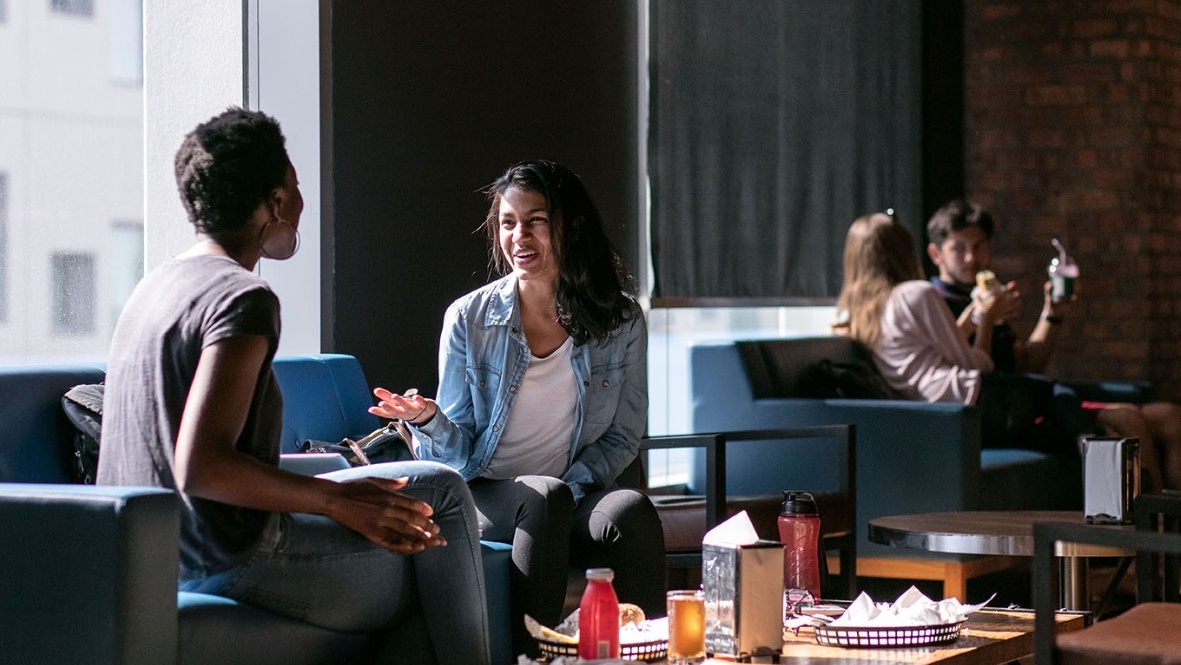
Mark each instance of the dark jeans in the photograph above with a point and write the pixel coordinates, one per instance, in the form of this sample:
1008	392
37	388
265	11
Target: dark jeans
1030	411
317	570
617	529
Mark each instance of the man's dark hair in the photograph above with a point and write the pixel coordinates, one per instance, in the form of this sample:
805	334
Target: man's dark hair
958	215
593	285
227	166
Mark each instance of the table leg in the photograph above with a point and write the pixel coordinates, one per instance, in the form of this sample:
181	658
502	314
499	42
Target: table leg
1074	583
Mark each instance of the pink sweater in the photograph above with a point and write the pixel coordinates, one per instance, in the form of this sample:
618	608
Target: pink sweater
921	353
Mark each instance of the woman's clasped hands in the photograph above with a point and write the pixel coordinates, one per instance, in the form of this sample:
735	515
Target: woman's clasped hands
376	509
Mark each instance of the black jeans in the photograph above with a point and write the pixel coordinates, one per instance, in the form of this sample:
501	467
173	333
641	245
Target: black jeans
1030	411
616	528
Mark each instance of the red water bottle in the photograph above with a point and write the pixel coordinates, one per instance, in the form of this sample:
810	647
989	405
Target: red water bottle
598	617
799	531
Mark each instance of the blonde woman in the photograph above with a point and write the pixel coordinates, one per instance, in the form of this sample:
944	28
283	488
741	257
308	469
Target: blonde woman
887	304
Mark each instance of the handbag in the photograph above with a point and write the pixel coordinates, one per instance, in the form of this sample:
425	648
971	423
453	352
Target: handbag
83	405
850	380
384	444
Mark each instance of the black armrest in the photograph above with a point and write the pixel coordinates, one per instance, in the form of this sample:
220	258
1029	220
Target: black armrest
715	451
1145	540
1133	392
715	445
89	574
715	464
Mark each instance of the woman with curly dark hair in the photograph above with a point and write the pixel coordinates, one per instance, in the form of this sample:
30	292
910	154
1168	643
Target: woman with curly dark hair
543	398
192	405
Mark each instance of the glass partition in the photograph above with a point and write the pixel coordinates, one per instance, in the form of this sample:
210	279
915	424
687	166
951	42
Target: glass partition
670	334
71	175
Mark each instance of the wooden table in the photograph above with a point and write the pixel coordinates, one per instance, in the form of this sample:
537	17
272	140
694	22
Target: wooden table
990	637
999	532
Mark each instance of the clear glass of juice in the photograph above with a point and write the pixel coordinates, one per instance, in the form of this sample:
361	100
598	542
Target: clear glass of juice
686	627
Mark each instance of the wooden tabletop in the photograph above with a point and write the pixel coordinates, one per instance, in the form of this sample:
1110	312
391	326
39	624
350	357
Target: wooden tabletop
1007	532
990	637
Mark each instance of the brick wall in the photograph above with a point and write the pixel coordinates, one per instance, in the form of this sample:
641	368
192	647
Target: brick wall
1073	130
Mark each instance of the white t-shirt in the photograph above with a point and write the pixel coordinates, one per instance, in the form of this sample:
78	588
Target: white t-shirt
539	432
921	353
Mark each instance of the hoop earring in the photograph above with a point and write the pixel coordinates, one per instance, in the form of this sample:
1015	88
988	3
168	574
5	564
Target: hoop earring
279	239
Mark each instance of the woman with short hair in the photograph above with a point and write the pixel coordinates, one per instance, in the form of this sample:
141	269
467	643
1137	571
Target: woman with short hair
192	405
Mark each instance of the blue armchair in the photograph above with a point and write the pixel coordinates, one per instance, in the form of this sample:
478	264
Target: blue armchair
90	572
911	457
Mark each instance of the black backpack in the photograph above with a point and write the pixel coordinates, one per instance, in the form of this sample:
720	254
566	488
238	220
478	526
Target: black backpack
84	407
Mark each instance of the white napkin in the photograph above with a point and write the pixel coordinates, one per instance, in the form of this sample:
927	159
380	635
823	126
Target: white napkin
1103	478
738	530
912	608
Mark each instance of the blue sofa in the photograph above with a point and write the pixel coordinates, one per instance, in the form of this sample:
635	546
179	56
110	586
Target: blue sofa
911	457
89	573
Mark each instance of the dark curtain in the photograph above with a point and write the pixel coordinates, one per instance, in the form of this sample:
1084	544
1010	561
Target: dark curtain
773	124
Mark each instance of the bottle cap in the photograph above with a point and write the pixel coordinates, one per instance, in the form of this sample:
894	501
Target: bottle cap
600	574
798	503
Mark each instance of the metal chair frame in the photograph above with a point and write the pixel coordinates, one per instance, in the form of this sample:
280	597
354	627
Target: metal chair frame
716	444
1157	556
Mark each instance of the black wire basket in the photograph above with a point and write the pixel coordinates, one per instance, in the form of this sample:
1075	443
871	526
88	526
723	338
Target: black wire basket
892	636
652	650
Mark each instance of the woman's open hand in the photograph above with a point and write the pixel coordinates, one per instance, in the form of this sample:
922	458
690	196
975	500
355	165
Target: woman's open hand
376	509
410	408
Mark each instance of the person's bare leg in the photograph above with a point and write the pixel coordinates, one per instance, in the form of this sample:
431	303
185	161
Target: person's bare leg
1127	420
1165	420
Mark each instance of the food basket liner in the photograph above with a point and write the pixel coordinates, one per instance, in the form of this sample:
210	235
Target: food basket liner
893	636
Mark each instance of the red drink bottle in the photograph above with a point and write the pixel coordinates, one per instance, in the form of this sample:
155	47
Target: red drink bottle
598	617
799	531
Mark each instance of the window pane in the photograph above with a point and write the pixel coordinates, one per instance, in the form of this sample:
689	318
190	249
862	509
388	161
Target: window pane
670	334
71	146
73	293
79	7
126	263
3	246
126	40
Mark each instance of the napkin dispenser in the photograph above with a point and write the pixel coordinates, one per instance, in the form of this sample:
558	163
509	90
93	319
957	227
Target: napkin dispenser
1111	479
743	587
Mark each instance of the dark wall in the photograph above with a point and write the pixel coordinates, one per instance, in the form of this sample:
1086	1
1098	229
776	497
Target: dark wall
424	104
1073	132
943	104
943	112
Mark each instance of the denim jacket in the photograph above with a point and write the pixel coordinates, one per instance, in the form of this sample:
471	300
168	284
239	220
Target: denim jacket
482	361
